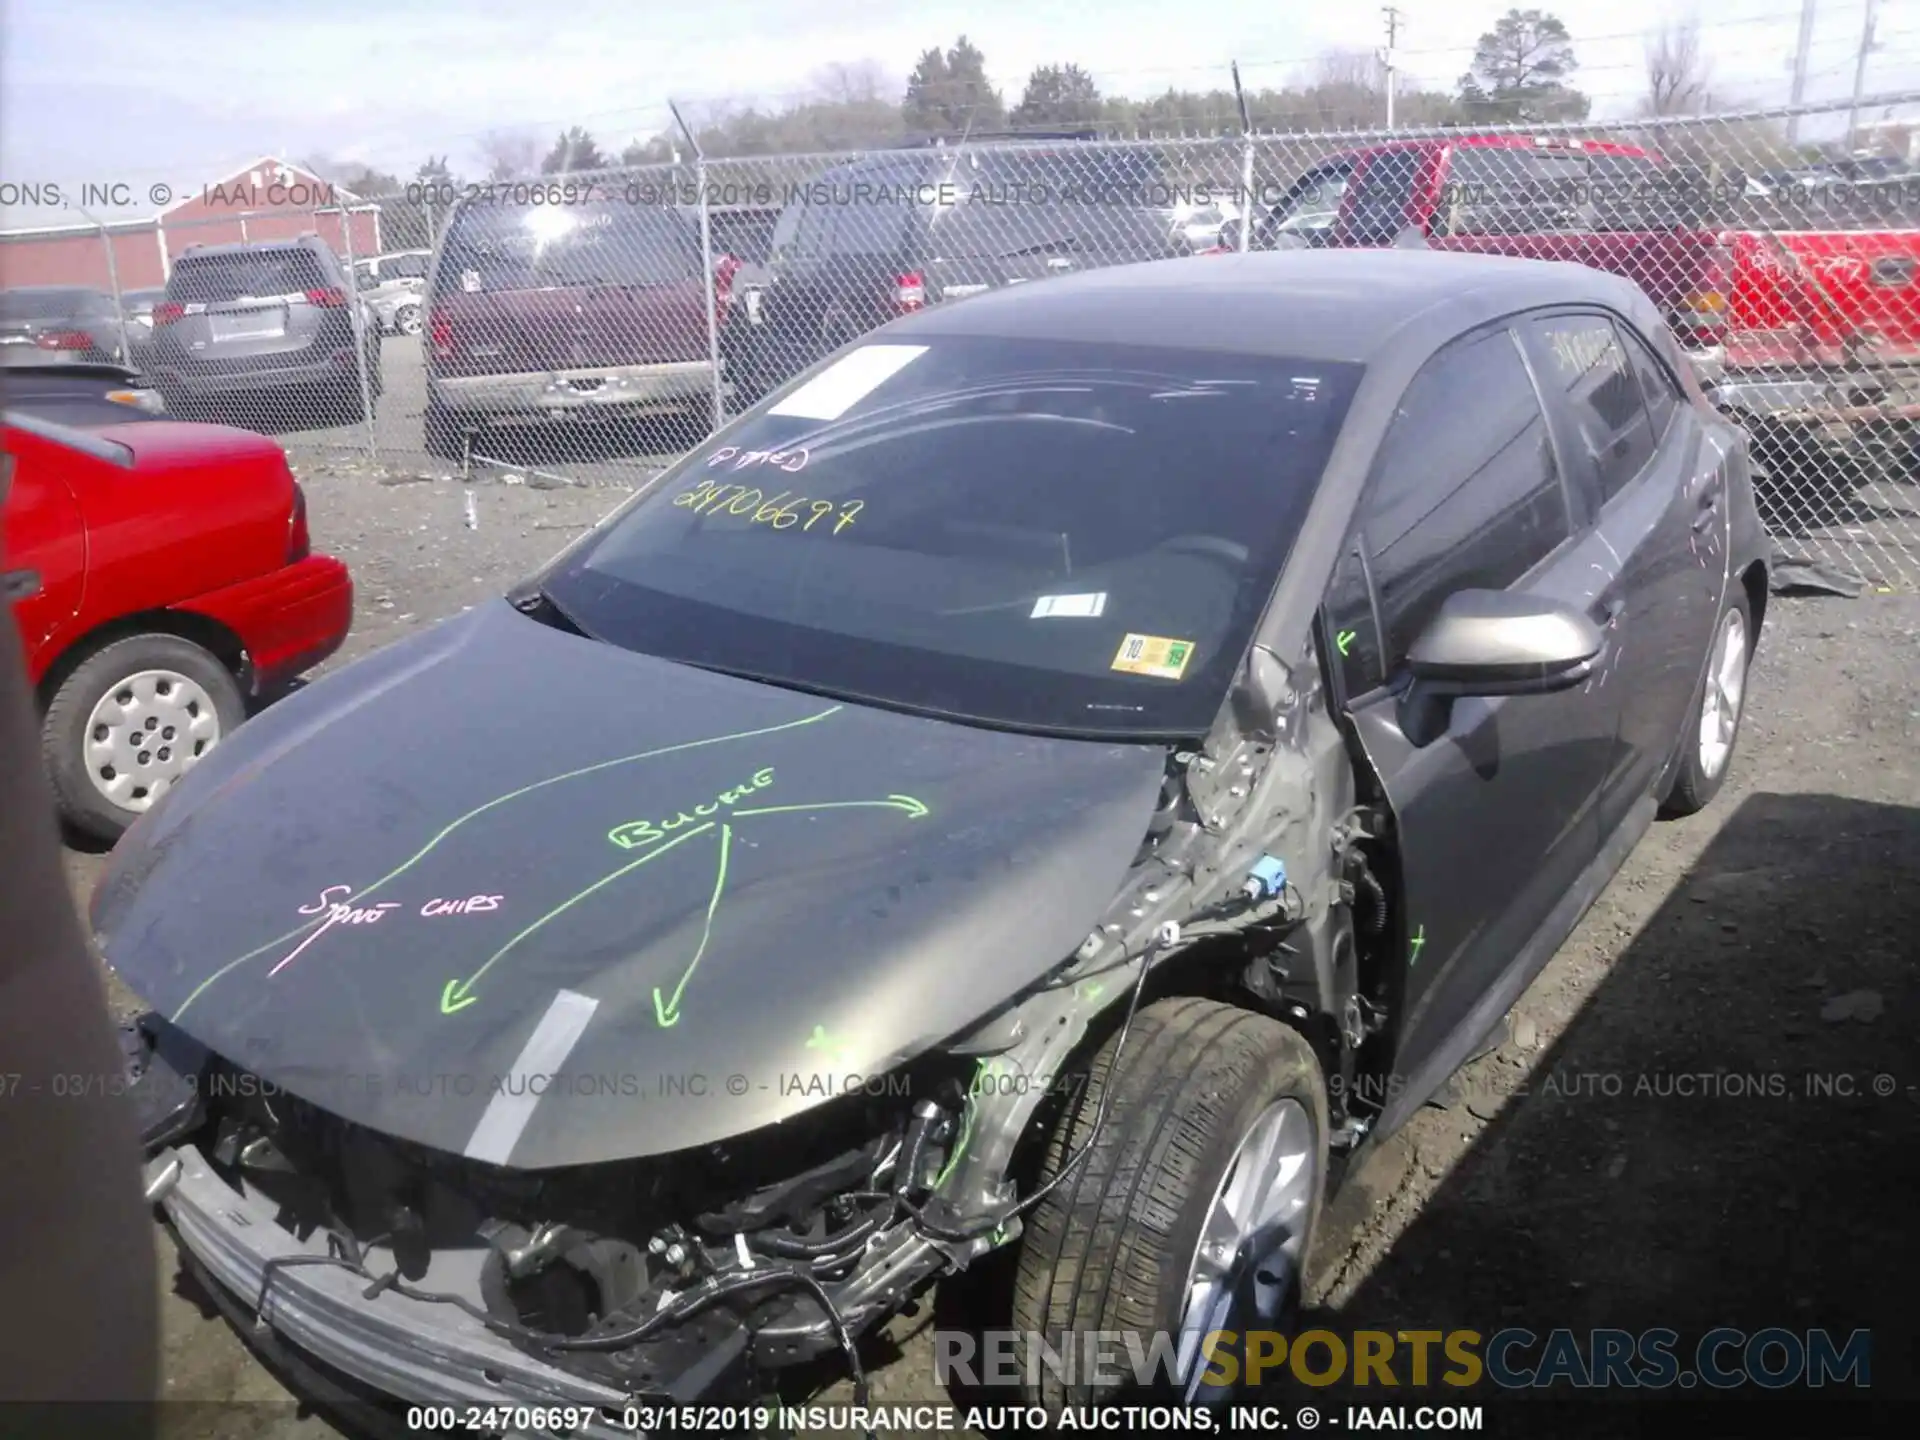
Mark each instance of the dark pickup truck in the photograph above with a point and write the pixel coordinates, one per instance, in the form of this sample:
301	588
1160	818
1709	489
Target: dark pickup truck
1809	335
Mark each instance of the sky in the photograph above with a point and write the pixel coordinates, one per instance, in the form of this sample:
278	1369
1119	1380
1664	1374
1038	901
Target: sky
177	93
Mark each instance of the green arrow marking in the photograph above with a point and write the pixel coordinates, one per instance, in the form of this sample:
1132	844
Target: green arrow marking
667	1011
493	804
905	804
1419	939
458	994
1344	639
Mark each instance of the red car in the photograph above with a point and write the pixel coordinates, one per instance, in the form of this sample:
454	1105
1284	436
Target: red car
1741	298
162	577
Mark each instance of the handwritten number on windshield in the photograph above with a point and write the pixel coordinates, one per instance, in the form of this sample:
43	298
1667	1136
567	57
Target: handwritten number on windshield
782	512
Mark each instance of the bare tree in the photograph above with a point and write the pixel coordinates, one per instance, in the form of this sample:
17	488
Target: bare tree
510	155
1677	75
1347	70
855	82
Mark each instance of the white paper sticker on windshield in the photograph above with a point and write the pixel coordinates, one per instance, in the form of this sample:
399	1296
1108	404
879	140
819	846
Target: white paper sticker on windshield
848	381
1082	606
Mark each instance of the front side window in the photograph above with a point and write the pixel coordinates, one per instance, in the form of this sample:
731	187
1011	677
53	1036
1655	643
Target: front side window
1464	494
1314	204
1582	359
1028	533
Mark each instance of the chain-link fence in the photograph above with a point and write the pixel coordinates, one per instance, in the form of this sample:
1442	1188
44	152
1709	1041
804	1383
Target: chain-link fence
589	327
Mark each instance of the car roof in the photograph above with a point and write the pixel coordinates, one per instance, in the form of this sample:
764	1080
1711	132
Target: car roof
1328	305
230	248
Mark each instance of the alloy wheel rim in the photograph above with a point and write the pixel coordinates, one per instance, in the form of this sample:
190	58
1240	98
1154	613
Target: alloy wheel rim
1247	1266
1725	692
410	320
145	733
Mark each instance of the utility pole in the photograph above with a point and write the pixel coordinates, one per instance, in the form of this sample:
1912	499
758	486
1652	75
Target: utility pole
1392	12
1860	76
1799	93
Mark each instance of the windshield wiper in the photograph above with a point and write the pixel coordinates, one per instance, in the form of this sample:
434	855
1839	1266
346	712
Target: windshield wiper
535	603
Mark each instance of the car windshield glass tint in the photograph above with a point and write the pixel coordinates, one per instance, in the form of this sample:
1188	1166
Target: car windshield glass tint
217	279
610	242
41	304
1034	534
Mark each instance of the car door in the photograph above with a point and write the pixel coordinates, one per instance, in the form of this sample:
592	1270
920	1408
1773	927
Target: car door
43	548
1308	211
1663	516
1495	817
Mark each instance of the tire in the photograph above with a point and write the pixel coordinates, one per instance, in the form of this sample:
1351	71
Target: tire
406	320
66	732
1703	767
1111	1248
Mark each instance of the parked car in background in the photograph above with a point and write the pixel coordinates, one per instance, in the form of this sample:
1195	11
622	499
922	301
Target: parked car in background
63	322
1151	727
79	394
1777	316
581	313
161	576
897	231
273	322
1198	223
393	286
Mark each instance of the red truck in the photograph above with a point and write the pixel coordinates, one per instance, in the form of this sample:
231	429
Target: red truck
1798	332
161	574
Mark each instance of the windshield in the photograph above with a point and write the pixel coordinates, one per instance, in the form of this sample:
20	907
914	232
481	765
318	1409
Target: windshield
607	242
1035	534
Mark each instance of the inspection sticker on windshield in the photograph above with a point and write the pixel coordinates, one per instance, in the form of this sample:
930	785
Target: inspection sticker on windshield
1085	607
848	381
1154	655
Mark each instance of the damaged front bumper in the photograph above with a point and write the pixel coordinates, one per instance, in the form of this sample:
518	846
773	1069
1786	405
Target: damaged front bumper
413	1351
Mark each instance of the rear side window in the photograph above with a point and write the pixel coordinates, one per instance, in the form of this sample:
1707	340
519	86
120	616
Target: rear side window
406	267
609	242
253	275
1657	386
1582	358
1504	190
1464	495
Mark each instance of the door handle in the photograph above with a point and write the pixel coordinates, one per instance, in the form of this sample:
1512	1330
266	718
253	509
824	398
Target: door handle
19	585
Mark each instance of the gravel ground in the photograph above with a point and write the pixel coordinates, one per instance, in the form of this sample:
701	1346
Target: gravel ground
1687	1124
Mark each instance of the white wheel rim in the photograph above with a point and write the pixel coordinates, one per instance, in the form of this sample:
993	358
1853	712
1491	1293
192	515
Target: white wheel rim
410	320
146	732
1726	690
1253	1242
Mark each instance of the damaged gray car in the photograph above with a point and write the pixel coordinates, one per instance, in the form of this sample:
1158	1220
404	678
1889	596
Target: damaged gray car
1056	782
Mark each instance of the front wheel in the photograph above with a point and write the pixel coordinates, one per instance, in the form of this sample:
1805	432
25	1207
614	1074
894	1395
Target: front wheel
1713	725
407	319
1194	1212
129	722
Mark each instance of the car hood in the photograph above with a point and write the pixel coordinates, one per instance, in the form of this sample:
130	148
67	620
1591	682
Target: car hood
532	899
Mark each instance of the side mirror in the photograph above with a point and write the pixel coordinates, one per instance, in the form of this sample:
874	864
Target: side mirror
1500	642
1489	643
